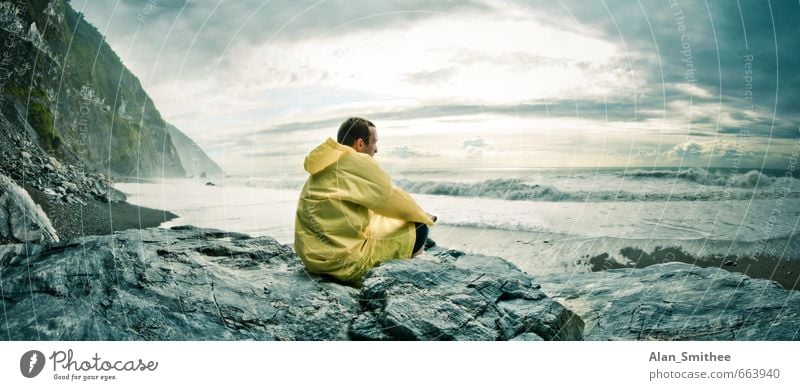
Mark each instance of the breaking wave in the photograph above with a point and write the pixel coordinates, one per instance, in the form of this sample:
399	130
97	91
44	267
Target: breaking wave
509	189
519	189
750	179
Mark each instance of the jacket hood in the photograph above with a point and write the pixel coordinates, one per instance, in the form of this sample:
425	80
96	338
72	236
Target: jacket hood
324	155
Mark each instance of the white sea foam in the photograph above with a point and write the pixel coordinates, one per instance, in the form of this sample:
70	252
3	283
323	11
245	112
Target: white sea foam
749	179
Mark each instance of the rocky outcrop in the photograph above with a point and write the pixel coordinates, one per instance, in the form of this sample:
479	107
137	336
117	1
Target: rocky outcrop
22	220
156	284
452	296
677	301
63	183
188	283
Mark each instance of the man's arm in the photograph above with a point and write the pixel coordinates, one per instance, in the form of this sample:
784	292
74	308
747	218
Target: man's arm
399	204
365	183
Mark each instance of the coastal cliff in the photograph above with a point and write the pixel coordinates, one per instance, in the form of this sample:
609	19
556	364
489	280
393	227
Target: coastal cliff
74	119
69	95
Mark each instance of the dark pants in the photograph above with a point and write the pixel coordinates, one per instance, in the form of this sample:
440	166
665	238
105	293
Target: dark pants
422	234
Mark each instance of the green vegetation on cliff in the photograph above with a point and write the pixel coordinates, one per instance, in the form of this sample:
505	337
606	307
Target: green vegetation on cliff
79	97
39	116
41	119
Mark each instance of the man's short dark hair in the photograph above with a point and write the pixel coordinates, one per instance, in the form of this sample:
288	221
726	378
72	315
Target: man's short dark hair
352	129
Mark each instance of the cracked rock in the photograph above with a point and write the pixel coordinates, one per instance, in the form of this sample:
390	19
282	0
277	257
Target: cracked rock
472	297
677	301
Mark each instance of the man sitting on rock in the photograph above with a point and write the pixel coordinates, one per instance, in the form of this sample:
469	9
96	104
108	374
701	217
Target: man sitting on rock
350	217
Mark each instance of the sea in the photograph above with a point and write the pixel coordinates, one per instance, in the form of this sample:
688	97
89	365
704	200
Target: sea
545	220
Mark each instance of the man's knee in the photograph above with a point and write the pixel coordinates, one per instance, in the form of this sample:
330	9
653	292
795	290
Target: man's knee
422	235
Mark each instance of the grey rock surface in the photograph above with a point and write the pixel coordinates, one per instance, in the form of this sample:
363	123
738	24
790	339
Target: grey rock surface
156	284
189	283
677	301
452	296
22	220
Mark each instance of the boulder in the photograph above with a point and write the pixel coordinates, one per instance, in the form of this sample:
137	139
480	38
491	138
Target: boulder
677	301
461	297
22	220
110	195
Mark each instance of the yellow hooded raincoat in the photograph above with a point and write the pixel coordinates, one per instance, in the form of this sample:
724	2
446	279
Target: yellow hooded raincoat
350	217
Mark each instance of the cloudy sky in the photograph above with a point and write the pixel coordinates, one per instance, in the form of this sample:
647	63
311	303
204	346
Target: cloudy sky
477	83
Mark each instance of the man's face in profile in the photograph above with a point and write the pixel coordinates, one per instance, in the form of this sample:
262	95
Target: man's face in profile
372	147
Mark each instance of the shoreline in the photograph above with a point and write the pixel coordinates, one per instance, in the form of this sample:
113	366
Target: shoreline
99	218
96	217
785	273
545	253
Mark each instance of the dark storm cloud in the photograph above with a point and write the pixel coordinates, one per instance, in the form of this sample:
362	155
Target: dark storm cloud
710	44
781	131
670	45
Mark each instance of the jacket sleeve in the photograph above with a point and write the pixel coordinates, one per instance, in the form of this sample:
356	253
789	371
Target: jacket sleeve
363	182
